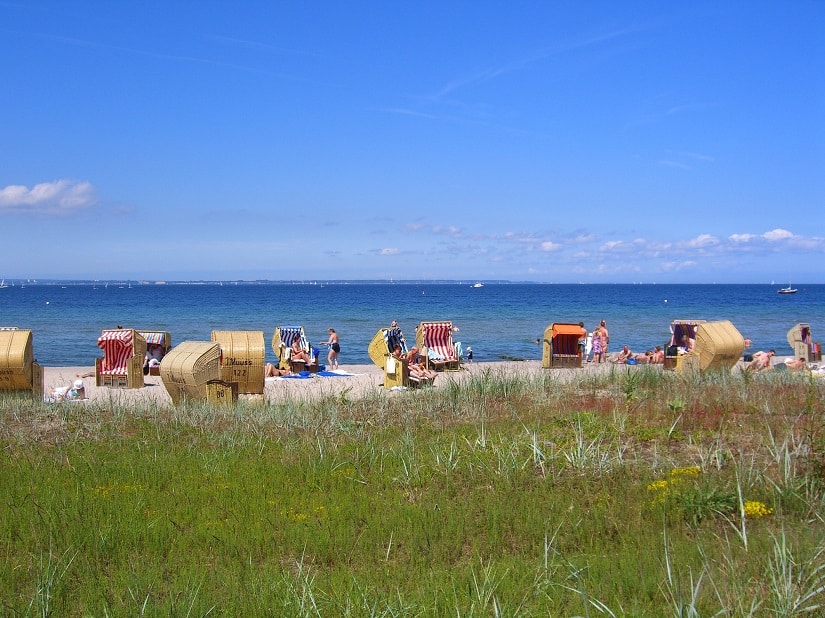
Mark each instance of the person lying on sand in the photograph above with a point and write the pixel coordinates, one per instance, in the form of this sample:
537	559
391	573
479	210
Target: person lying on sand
271	371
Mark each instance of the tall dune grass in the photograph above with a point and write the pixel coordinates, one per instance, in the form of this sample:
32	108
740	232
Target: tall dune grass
634	493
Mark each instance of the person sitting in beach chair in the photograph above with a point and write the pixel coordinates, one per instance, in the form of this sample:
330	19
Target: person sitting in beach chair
298	353
417	368
293	350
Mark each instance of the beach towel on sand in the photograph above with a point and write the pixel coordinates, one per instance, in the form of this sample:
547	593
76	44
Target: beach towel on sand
304	375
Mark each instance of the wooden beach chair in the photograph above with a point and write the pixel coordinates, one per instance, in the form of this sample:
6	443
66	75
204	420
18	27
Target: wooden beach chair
435	343
156	337
18	369
560	347
396	372
679	328
719	346
124	352
803	345
242	359
190	368
282	340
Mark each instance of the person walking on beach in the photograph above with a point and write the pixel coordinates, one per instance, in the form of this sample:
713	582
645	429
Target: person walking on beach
334	349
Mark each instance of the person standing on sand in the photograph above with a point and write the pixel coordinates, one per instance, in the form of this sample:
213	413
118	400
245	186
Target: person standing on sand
334	349
600	340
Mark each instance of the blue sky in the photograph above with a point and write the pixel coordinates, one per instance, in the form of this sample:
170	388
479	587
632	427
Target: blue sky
555	141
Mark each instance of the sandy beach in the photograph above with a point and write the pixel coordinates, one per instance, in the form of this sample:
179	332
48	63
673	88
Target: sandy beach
364	380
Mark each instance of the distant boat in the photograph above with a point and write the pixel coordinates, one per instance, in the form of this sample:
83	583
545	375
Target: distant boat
477	284
787	290
3	284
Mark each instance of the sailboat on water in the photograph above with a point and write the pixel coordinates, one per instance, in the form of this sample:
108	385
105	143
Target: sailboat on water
787	290
3	284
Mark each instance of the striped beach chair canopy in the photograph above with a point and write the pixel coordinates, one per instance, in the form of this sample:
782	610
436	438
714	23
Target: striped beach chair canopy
156	337
118	347
437	337
289	334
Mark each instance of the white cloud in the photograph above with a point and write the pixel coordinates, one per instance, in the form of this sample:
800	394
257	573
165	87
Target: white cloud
703	240
736	238
61	197
549	245
389	251
584	238
777	234
613	245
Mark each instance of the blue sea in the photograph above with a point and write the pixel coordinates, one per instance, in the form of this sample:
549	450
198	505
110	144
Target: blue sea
498	320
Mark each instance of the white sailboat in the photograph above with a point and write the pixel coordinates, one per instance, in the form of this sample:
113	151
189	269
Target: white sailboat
3	284
787	290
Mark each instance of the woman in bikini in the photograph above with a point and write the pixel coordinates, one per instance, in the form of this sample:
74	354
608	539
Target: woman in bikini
334	348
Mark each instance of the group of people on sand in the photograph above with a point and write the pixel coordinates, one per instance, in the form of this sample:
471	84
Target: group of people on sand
762	362
298	353
596	351
656	356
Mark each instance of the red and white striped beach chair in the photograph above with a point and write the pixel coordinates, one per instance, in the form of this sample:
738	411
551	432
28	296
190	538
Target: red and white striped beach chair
435	343
124	351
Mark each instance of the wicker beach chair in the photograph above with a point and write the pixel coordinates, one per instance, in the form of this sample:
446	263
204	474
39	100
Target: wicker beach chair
18	369
803	345
189	368
242	359
560	347
282	340
396	372
124	352
678	329
160	338
719	347
435	342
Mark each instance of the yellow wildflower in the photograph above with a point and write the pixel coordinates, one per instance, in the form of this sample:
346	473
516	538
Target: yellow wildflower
754	509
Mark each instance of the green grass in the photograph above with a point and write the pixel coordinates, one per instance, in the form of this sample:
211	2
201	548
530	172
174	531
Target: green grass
624	494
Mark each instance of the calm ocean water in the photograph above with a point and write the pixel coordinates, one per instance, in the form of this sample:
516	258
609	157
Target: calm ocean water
498	320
